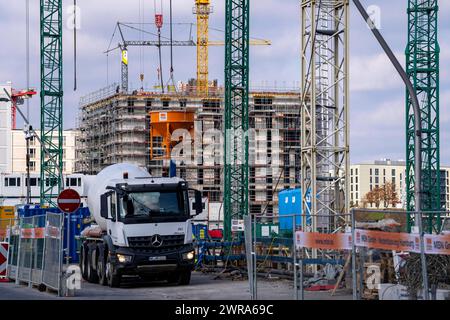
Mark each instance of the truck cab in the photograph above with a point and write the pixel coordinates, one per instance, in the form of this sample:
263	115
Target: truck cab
148	232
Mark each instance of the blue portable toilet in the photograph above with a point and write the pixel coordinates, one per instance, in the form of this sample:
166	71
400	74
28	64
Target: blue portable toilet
290	203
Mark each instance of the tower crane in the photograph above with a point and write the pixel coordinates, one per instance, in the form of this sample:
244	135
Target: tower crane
422	60
51	100
203	9
17	99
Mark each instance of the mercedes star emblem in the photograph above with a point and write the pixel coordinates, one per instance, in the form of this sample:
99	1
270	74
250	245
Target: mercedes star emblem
157	241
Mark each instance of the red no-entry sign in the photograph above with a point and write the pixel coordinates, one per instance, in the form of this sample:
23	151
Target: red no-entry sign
69	201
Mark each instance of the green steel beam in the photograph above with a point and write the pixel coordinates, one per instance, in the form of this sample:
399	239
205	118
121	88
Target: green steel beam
422	61
51	100
236	112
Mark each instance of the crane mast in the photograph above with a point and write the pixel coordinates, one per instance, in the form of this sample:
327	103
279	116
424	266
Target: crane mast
422	61
236	112
51	100
202	9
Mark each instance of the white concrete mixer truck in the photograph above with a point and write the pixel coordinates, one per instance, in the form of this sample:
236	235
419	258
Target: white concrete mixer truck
143	227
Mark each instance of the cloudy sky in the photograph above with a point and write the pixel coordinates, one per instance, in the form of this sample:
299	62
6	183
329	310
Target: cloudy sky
377	93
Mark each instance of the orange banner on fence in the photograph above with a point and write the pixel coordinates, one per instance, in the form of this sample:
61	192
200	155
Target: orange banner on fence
32	233
387	240
325	241
437	244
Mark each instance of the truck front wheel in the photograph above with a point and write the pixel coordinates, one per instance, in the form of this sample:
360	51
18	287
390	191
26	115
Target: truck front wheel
185	278
112	278
181	278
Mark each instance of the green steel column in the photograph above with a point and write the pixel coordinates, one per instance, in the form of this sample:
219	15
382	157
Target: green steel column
236	112
51	100
422	62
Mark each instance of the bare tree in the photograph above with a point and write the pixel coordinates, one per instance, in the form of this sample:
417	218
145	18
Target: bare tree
386	195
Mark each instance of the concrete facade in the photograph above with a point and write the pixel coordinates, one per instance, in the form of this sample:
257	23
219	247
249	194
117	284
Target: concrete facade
5	129
18	152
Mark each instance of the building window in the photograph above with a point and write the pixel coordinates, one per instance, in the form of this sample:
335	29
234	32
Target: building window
183	103
384	172
393	172
165	103
356	179
370	171
148	103
377	180
377	172
393	180
33	182
131	110
357	195
356	171
371	180
351	171
371	187
32	165
32	153
357	189
351	180
130	103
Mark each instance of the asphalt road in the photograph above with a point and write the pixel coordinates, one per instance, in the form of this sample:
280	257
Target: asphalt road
202	287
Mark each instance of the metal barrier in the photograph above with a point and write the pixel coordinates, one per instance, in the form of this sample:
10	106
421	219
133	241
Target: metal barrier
281	246
386	257
36	250
372	250
52	266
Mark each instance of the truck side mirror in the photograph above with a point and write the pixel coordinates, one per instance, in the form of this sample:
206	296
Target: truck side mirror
198	202
104	206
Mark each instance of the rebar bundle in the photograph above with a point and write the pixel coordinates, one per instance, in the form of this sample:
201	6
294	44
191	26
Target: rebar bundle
438	267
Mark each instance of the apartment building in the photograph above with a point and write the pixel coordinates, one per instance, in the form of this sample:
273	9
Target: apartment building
365	177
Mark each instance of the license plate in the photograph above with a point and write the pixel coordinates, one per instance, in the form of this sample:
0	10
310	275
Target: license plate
160	258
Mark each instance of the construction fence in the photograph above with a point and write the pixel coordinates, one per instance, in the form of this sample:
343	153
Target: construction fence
367	254
34	250
280	249
396	261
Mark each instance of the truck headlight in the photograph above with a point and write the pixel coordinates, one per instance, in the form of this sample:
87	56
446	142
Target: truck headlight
189	255
124	258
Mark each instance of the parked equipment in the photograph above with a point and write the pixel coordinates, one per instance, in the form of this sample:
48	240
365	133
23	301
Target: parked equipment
143	227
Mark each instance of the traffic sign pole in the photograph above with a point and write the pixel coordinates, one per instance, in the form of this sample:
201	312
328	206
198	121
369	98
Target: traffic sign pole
69	201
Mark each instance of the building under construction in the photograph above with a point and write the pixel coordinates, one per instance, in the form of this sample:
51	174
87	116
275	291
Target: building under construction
137	128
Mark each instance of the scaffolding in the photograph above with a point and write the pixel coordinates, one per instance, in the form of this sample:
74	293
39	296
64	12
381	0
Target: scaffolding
114	128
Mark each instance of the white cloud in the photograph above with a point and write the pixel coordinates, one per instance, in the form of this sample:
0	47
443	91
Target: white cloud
373	72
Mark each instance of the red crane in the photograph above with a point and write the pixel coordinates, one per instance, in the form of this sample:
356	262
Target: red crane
18	99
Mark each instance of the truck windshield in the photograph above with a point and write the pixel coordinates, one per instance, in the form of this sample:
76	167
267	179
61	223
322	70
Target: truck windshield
145	205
